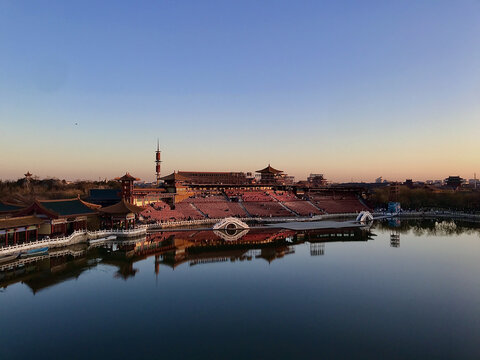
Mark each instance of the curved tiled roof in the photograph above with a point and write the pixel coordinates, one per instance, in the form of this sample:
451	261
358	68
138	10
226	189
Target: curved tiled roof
20	222
67	207
9	207
128	177
122	207
105	194
175	176
269	170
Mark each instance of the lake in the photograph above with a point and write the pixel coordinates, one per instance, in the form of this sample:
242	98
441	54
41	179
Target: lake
403	290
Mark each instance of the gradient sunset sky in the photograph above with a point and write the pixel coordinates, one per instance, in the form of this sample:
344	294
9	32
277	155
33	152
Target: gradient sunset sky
351	89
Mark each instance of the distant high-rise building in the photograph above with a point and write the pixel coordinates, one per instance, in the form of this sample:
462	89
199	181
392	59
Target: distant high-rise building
394	190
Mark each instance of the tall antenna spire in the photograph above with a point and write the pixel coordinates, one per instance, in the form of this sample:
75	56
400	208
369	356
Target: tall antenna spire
157	162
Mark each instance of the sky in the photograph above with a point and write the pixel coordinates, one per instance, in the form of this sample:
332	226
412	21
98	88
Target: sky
351	89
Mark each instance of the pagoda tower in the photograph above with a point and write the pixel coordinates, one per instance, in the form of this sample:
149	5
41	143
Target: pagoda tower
127	186
28	179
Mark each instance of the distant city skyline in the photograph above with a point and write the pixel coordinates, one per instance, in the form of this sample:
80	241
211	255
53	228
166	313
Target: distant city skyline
149	176
353	90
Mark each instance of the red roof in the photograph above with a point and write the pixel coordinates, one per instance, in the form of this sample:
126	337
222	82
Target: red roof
176	177
127	177
210	172
121	208
269	170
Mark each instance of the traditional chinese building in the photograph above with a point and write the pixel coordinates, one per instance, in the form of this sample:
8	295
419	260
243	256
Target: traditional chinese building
104	197
122	215
175	180
316	180
127	187
61	217
7	210
215	177
179	185
269	175
18	230
454	182
145	196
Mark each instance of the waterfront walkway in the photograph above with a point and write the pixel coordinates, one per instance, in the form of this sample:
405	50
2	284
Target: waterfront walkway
77	237
290	223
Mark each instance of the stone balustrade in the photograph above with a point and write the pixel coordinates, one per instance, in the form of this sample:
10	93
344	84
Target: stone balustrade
76	237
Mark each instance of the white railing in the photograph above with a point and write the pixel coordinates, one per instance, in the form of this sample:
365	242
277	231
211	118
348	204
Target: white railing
142	229
27	260
42	243
59	241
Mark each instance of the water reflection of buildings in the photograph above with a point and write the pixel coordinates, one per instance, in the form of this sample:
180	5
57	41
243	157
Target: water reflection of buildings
170	249
395	240
394	224
201	247
45	271
317	249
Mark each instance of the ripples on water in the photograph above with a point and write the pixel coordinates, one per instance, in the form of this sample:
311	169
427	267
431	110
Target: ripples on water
405	290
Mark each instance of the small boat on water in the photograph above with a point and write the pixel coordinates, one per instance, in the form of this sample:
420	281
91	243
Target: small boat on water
7	258
35	252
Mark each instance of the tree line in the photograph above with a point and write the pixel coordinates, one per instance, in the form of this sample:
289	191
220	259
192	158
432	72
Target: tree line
22	191
421	198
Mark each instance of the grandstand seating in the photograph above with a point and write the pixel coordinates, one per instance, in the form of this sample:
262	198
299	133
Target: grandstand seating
188	210
206	199
257	203
212	207
221	209
302	208
217	206
283	196
152	214
338	204
256	196
161	212
266	209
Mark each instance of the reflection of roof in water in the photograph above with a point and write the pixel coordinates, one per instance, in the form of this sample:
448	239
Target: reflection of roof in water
339	235
46	279
123	261
195	247
203	235
271	254
213	256
222	253
173	260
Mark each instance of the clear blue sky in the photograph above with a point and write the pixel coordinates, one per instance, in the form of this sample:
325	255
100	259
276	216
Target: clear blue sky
354	90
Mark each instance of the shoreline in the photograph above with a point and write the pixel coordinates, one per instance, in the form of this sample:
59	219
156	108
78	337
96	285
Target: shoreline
92	237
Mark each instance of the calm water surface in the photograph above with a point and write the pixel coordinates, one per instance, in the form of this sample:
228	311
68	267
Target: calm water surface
406	292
